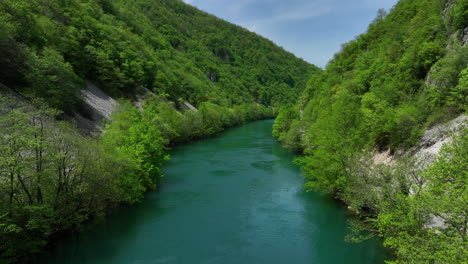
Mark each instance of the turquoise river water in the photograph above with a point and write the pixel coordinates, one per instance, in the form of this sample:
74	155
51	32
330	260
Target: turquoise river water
233	199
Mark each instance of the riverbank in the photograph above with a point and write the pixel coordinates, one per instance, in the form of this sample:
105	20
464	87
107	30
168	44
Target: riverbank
414	198
233	198
57	180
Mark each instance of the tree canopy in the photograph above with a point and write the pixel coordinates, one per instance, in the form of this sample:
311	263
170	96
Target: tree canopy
405	74
48	48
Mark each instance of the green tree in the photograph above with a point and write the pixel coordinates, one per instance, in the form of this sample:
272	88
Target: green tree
53	79
136	139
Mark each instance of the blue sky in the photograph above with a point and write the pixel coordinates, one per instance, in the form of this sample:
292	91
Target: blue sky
311	29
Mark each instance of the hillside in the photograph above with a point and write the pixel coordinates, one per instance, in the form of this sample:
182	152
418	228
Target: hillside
147	73
160	72
49	49
407	73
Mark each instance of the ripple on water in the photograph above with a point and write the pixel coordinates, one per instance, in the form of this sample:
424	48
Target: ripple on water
265	165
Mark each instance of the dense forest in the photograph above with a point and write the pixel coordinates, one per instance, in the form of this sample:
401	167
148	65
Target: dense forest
49	47
407	73
161	53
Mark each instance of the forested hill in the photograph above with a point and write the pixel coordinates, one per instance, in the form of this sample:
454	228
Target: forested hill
158	54
48	48
407	73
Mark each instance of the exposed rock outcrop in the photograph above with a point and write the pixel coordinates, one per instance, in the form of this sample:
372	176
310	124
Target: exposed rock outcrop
100	106
190	106
425	153
436	137
430	144
384	157
464	36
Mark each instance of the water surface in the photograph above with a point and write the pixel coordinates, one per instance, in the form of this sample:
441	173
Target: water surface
236	198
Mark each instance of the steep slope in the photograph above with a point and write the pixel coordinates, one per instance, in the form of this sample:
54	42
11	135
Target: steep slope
407	73
180	74
49	48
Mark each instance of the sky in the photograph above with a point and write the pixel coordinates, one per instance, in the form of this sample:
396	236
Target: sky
311	29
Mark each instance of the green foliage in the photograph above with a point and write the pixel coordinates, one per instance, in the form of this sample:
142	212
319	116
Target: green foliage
331	142
136	139
460	14
12	58
212	116
459	95
167	47
445	77
431	225
420	212
51	178
283	121
447	180
53	79
378	94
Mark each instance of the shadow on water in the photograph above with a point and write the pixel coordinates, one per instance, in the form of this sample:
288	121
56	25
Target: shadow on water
236	198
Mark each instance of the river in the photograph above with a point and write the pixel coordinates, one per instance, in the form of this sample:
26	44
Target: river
236	198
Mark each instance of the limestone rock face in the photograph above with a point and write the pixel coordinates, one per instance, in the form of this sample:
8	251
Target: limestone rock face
101	107
464	37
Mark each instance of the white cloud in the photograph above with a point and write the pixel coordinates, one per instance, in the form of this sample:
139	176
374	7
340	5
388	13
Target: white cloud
188	1
308	11
286	12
